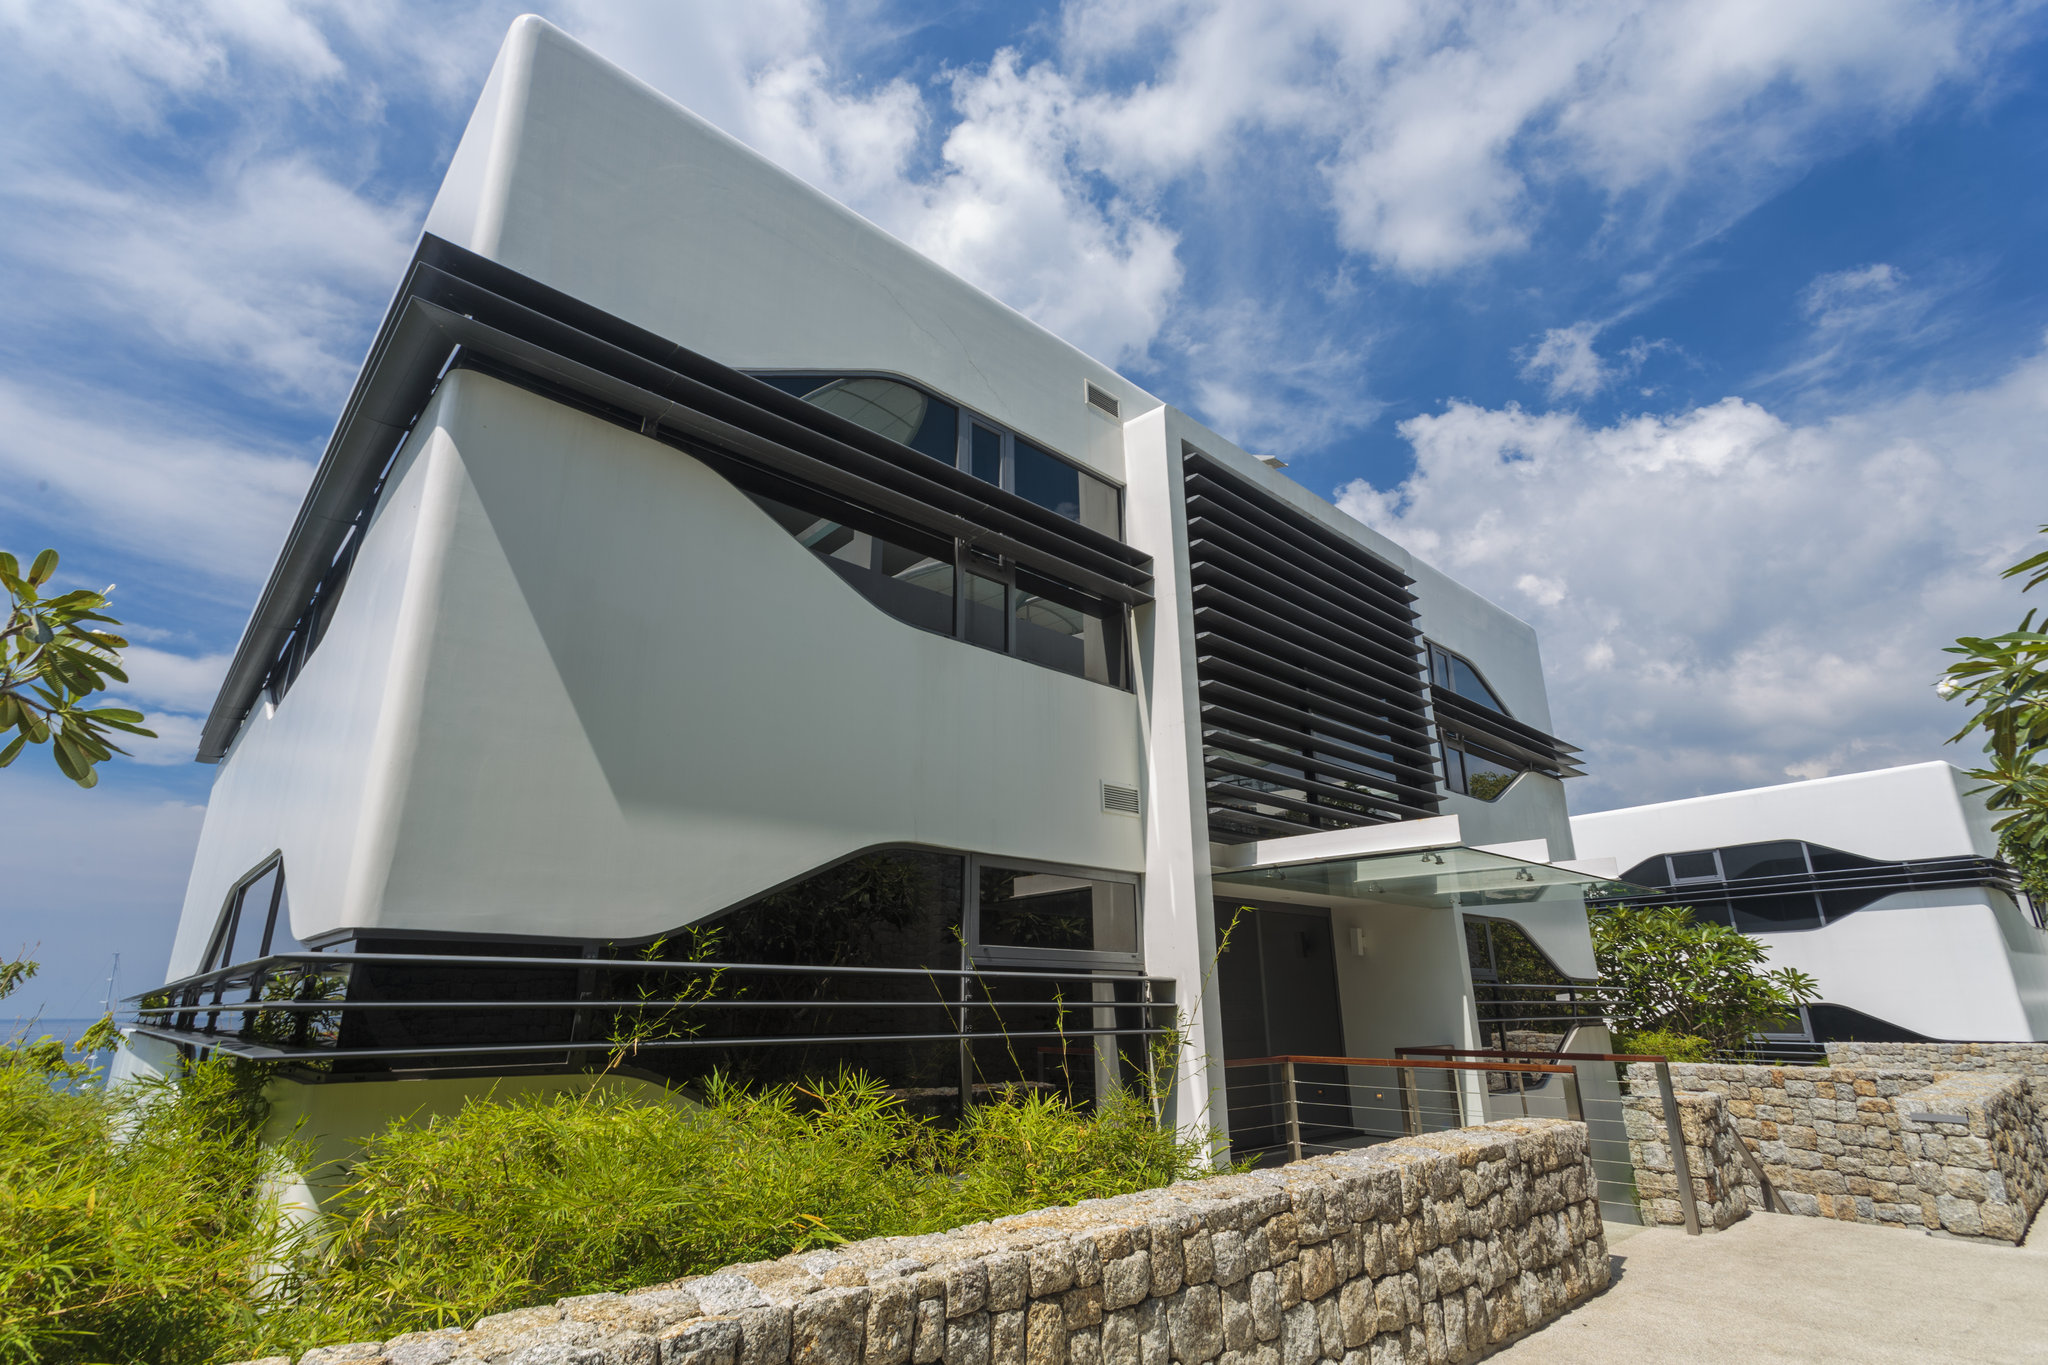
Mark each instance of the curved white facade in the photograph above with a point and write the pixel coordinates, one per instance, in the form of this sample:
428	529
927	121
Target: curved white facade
1956	963
578	687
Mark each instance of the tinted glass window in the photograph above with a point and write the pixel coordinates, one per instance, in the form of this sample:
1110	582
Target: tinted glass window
1487	780
912	582
1783	859
1057	912
1048	481
882	406
1686	867
985	454
1100	507
985	612
1648	872
1768	914
1062	629
1453	674
257	923
1834	860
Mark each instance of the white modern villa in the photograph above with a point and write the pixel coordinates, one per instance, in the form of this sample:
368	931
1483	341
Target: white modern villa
1883	886
698	575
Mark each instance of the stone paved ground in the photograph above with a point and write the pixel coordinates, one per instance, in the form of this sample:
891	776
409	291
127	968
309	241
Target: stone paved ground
1777	1288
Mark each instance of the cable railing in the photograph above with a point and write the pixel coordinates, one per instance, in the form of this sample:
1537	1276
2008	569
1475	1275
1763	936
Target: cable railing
965	1029
1616	1168
1302	1105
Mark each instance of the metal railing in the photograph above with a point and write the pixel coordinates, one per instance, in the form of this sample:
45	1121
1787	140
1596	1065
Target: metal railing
1331	1104
1674	1130
426	1012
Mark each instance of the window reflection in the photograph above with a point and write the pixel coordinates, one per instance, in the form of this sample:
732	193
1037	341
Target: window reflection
913	577
1453	674
1474	774
985	454
1051	483
1062	629
984	610
1055	912
929	424
911	582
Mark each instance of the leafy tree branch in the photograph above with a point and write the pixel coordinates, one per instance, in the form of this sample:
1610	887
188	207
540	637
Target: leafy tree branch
51	662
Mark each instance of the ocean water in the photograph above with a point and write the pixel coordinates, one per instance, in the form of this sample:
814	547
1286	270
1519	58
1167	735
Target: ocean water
28	1028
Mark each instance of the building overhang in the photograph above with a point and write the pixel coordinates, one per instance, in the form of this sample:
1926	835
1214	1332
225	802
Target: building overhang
1416	864
456	308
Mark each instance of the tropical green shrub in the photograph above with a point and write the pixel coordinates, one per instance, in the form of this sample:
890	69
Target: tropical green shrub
1677	1047
140	1228
523	1201
2004	680
129	1226
1662	970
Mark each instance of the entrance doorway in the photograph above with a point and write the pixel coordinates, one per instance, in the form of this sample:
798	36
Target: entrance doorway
1278	981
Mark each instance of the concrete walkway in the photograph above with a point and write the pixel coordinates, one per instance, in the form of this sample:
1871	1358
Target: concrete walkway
1780	1288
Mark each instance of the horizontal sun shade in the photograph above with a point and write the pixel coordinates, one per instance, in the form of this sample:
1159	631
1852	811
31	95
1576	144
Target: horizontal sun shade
1309	667
1502	737
517	328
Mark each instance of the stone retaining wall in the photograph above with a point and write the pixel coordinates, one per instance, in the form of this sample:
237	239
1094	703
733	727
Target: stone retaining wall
1848	1143
2011	1059
1432	1249
1723	1187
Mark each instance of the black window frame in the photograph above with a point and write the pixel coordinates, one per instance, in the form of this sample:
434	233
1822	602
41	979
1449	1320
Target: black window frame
994	955
969	418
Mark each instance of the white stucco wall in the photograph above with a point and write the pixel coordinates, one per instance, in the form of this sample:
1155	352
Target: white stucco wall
587	688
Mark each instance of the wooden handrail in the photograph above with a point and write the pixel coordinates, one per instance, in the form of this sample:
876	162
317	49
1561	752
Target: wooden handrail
1504	1052
1394	1062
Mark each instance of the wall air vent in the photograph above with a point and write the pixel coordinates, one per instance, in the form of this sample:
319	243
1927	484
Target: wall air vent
1097	398
1122	800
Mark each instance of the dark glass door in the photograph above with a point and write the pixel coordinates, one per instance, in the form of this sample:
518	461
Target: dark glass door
1278	982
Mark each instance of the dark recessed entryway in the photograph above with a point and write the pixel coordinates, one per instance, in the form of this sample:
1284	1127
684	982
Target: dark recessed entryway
1277	977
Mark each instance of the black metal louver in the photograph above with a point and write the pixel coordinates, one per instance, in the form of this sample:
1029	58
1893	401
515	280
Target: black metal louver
1309	667
1502	738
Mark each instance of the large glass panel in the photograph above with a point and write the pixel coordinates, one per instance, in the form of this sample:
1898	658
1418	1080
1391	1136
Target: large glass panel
1694	867
1834	860
1648	872
1774	914
1056	912
1047	480
985	614
1453	674
1782	859
882	406
906	575
1062	629
1487	780
913	586
1101	507
985	454
246	923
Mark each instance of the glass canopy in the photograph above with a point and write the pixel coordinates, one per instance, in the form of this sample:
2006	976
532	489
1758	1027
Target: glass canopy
1429	879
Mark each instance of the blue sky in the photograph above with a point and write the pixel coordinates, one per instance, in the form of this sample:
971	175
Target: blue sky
1708	337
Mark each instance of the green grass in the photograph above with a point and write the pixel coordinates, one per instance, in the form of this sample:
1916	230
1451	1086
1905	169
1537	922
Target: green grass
147	1248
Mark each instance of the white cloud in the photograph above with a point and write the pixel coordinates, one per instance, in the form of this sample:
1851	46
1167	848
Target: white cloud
1268	384
1726	598
1566	363
1441	128
274	274
144	480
